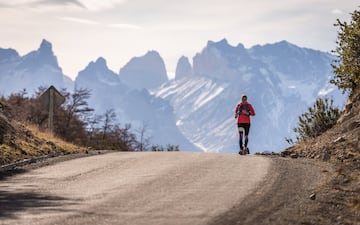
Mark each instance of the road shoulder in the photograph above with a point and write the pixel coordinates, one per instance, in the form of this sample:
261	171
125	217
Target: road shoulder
284	196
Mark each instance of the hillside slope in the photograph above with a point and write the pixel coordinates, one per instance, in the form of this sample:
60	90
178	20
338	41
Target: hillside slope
341	147
19	142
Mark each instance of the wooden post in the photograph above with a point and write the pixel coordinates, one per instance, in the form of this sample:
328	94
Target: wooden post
51	99
51	110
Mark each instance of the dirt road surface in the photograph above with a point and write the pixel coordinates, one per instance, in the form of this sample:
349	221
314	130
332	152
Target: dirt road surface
154	188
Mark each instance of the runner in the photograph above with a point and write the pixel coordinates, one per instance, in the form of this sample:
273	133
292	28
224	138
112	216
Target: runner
243	111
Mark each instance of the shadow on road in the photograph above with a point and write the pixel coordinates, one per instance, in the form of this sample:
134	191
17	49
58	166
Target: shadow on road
10	202
8	173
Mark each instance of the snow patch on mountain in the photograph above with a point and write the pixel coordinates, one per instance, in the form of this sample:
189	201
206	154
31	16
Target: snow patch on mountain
132	106
281	81
193	101
208	95
196	109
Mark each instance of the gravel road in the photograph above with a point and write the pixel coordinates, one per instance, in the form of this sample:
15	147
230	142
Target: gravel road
156	188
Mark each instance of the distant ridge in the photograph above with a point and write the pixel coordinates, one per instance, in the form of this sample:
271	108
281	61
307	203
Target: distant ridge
195	110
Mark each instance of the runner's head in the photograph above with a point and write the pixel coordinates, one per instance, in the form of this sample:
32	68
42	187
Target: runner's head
244	98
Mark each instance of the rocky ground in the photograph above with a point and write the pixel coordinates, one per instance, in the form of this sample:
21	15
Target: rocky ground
340	147
288	195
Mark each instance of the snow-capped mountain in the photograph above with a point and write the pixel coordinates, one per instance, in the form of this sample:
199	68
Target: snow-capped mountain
137	107
147	71
128	96
196	109
35	69
281	81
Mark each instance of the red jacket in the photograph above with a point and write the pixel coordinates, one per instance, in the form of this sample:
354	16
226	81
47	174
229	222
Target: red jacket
243	115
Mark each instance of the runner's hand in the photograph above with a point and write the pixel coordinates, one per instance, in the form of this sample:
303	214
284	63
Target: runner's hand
245	112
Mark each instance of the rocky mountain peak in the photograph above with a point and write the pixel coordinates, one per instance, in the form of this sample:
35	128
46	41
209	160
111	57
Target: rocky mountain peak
8	55
222	42
220	60
93	65
46	54
35	69
96	72
99	64
43	56
45	47
152	54
223	45
147	71
183	68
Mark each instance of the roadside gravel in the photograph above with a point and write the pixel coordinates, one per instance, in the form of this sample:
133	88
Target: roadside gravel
291	194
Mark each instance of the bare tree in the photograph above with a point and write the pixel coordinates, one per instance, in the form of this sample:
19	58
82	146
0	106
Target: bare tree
93	129
144	140
93	121
109	118
77	104
18	102
126	139
71	119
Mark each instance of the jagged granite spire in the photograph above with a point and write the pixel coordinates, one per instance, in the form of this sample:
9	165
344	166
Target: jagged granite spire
183	68
44	55
97	72
147	71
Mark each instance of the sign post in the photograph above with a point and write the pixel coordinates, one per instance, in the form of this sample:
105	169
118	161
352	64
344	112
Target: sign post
51	98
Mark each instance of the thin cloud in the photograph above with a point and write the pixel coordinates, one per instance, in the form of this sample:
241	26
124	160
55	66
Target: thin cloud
79	20
92	22
40	3
12	4
76	4
101	5
125	26
59	3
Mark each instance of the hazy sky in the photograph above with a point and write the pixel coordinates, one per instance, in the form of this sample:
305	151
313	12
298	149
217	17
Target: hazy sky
83	30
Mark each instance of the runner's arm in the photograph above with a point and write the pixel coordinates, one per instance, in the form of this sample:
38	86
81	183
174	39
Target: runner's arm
252	111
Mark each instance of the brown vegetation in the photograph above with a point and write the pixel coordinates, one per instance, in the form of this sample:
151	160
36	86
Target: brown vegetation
24	129
74	121
19	142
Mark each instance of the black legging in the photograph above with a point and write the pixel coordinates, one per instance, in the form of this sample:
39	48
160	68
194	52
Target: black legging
243	127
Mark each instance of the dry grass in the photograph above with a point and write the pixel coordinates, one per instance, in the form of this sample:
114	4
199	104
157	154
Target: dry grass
27	141
45	135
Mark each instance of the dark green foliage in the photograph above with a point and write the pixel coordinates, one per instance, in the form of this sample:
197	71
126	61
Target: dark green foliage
319	118
169	148
322	116
347	65
172	148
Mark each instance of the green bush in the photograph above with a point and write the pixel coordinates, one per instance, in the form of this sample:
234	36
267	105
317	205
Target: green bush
319	118
347	65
